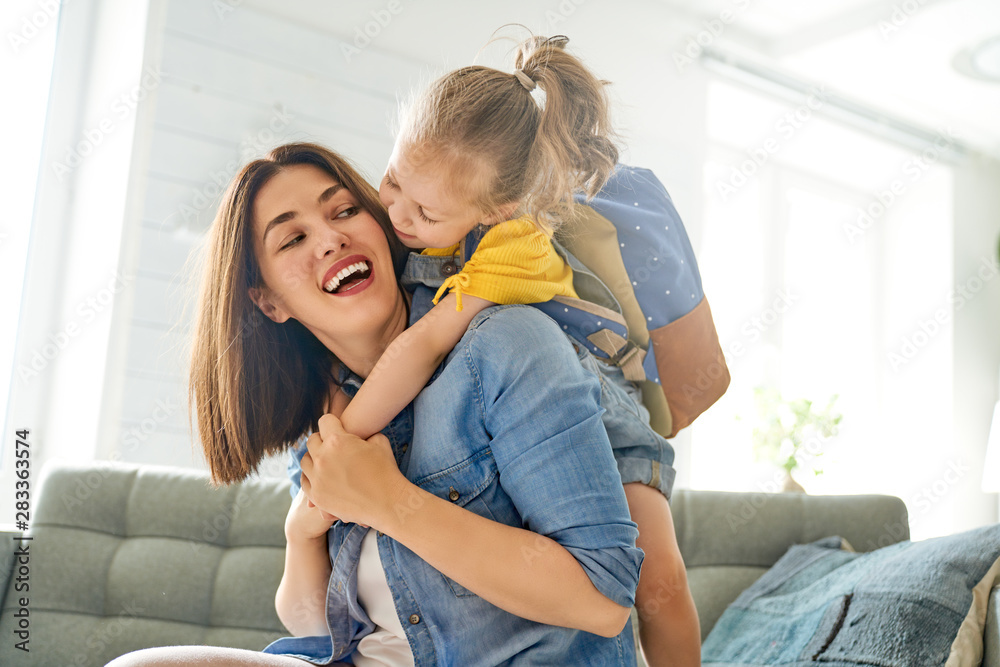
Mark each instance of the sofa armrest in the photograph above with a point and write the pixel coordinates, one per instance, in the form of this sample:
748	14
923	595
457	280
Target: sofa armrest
991	637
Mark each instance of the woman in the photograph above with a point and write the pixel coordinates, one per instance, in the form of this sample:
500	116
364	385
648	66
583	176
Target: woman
503	531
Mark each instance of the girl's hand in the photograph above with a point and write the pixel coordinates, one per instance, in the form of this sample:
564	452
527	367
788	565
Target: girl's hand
354	479
305	520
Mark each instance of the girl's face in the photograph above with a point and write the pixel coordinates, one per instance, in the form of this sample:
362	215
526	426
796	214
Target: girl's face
425	207
324	261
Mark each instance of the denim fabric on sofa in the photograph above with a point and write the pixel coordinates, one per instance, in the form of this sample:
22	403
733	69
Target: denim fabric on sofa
125	557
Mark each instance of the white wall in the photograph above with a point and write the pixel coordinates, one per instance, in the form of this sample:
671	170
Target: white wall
234	84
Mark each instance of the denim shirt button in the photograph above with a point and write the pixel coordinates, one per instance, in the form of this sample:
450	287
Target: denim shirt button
449	268
379	533
452	494
414	619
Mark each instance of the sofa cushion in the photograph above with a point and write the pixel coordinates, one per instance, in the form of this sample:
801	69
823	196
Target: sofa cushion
901	605
728	540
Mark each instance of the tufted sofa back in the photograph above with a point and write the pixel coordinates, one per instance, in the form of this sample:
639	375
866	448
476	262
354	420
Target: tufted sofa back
125	557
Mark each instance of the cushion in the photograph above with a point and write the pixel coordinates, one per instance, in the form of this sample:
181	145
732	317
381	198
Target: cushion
912	603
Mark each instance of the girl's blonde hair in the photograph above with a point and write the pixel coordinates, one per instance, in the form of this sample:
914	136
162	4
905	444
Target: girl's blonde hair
484	122
256	386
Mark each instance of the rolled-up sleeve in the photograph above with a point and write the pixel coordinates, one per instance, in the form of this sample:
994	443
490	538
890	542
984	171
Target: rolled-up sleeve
294	468
542	411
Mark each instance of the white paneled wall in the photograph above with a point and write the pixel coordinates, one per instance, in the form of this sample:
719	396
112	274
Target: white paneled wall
232	86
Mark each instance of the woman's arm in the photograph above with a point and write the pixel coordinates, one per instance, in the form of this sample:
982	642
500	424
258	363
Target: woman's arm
541	409
407	364
520	571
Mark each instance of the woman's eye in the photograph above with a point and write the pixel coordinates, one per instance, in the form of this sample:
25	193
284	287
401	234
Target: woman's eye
348	212
294	240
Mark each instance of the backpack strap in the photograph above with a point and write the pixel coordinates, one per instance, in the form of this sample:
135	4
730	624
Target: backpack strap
595	319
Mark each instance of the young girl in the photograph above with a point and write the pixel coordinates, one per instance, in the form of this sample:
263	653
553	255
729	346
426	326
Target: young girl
478	149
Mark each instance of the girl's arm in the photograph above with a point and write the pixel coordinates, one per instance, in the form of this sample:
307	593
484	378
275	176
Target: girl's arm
301	597
520	571
408	363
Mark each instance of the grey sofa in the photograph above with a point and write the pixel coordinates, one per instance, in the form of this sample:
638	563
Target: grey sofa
125	557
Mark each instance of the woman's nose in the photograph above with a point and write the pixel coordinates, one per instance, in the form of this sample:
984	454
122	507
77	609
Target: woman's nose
331	239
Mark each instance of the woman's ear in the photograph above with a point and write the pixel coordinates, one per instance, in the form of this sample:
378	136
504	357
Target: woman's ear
263	300
502	214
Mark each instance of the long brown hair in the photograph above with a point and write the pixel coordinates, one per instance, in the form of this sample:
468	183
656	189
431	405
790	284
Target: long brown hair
256	386
537	155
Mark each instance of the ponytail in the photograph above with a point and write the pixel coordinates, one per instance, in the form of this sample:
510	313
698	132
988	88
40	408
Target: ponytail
482	122
574	148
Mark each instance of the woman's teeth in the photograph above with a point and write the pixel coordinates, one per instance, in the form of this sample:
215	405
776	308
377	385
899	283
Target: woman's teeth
342	274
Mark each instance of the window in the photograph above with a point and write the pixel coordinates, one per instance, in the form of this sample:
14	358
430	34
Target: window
27	69
826	253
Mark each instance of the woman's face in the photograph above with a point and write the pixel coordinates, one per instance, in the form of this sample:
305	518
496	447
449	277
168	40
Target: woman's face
324	261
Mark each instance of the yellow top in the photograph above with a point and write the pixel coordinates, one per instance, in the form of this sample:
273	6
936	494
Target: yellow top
514	263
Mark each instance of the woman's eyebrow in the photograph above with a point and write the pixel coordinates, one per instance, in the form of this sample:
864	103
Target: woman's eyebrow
324	197
329	192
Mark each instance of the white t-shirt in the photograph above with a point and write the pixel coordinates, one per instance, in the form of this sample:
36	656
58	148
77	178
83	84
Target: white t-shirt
387	645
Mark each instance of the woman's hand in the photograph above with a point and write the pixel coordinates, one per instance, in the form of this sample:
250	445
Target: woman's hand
305	520
354	479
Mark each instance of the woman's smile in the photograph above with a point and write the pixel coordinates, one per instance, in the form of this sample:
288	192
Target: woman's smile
349	276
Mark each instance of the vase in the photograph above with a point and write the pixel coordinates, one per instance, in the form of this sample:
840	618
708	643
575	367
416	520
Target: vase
790	485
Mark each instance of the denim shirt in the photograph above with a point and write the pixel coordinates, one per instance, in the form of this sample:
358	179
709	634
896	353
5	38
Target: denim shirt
485	435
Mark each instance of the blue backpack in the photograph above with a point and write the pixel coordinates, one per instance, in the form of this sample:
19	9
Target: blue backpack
641	302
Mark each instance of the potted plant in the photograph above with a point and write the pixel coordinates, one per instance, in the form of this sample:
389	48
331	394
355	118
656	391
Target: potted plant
792	432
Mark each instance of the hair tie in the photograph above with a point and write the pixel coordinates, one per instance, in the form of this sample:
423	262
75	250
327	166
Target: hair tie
526	81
